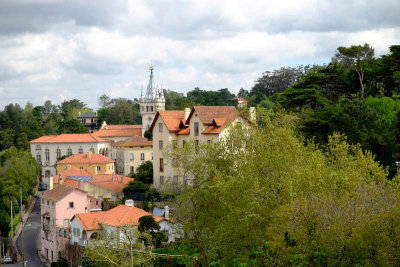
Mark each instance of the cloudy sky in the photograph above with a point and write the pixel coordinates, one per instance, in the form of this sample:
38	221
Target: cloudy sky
65	49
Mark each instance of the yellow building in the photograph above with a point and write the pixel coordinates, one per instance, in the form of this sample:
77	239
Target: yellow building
201	124
131	153
93	163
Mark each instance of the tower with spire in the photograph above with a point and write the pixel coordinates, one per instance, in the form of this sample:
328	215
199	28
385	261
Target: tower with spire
151	102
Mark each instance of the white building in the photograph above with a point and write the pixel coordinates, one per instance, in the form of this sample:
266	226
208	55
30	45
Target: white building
47	149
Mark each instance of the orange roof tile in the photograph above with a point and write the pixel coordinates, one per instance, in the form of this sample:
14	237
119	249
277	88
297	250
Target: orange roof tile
71	182
122	126
171	118
85	158
118	132
118	216
134	141
90	221
208	113
69	138
59	192
184	131
106	181
71	172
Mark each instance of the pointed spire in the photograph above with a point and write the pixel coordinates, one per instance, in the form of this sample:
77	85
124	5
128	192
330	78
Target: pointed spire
151	93
141	92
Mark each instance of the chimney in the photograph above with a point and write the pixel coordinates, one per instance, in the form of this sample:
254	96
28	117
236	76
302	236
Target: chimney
252	112
81	185
122	179
89	154
187	112
68	167
59	179
129	203
166	212
79	113
86	210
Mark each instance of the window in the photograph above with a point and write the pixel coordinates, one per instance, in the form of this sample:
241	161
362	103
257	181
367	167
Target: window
48	203
66	223
209	142
151	108
183	143
80	151
98	168
91	149
58	153
174	162
131	156
160	144
161	164
69	152
71	205
151	155
196	129
97	202
47	154
174	143
185	180
65	233
161	180
38	147
81	167
76	231
141	156
175	179
47	174
39	159
60	232
132	169
160	127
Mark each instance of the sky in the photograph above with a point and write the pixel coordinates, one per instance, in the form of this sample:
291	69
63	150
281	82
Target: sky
64	49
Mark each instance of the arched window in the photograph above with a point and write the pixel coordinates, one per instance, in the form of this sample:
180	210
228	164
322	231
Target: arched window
47	154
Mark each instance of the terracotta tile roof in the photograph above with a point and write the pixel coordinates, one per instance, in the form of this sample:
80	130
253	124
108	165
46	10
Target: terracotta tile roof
208	113
71	172
241	99
59	192
70	138
122	126
184	131
90	221
119	131
105	181
171	118
118	216
85	158
71	182
134	141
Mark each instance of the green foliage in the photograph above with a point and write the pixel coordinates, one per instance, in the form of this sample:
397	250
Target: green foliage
144	172
60	263
122	111
147	223
245	198
222	97
176	101
71	126
16	167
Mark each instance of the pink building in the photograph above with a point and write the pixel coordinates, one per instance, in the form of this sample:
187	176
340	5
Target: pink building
58	206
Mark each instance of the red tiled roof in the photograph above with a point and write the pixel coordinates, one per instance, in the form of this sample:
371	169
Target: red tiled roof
119	131
241	99
134	141
184	131
69	138
71	172
90	221
171	118
118	216
84	158
59	192
208	113
106	181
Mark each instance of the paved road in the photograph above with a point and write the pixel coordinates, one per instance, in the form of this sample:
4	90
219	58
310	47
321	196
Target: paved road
31	239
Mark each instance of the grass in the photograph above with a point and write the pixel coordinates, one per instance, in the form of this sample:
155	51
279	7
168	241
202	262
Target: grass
15	222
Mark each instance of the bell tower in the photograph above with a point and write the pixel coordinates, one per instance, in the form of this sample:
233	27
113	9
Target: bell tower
152	102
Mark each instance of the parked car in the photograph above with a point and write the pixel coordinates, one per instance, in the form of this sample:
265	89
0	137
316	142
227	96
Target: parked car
6	259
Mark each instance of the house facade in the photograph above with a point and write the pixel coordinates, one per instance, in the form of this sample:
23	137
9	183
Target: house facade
88	120
87	226
201	124
47	149
91	162
58	206
131	153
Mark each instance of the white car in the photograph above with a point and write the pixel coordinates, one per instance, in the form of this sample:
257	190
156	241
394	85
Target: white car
6	259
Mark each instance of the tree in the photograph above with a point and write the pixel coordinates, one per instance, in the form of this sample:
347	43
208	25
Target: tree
105	101
144	172
72	126
355	58
237	192
123	111
120	248
243	93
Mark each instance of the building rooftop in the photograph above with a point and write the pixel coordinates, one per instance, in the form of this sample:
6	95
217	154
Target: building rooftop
87	158
69	138
59	192
134	141
118	216
73	171
106	181
119	132
88	115
208	113
171	118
